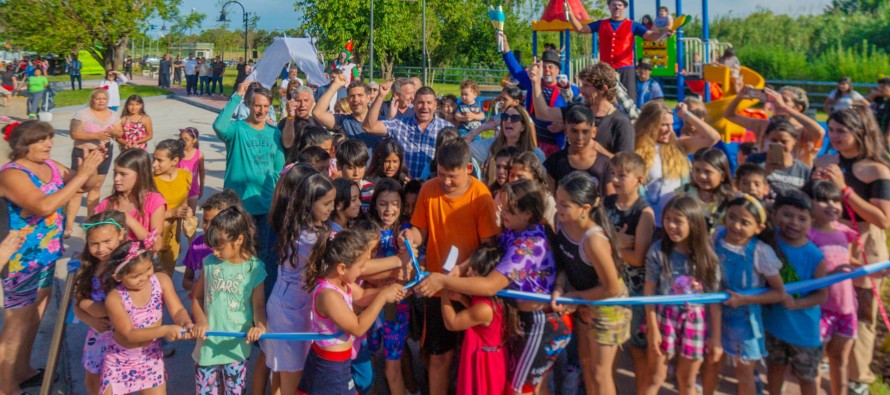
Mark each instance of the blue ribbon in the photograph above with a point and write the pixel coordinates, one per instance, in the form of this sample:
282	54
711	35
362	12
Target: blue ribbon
299	336
419	275
715	297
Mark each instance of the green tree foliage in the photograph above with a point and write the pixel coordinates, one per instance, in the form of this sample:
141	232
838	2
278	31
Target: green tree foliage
101	27
844	41
458	31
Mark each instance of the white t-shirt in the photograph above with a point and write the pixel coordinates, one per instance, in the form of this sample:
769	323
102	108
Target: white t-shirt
114	93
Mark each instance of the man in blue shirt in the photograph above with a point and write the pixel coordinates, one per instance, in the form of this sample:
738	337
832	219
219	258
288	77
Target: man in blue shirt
647	88
416	133
358	94
74	67
549	141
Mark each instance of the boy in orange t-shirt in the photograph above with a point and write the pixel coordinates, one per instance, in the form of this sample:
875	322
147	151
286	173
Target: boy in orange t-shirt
453	209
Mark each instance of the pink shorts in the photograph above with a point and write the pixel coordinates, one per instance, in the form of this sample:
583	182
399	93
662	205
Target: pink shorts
683	330
837	324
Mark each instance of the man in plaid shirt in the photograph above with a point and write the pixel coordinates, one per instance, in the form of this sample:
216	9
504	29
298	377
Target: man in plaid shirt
416	133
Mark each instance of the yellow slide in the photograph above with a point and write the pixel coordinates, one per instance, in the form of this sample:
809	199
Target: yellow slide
721	75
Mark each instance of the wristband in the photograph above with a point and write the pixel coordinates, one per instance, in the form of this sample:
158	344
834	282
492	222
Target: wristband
846	192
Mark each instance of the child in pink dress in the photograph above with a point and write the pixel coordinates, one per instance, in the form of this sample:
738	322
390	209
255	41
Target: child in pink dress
133	358
193	161
483	356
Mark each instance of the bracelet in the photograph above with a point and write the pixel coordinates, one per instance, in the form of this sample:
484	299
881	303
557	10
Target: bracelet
846	192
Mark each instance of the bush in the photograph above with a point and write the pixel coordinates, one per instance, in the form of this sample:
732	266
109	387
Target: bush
863	63
774	62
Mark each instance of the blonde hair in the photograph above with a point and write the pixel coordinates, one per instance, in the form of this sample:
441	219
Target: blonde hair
674	161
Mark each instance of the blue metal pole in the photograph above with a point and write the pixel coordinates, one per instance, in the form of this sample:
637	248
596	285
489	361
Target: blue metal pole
568	52
657	6
596	45
534	43
631	10
681	58
706	32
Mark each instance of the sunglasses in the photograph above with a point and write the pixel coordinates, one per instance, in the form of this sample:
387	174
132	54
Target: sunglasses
374	89
511	117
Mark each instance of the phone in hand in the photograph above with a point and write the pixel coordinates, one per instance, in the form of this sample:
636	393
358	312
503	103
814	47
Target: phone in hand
759	94
775	155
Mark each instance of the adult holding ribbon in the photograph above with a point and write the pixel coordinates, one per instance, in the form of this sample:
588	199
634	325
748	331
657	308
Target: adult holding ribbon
862	171
36	188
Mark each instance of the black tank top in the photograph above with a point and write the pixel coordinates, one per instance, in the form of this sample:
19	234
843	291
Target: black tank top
629	217
570	258
878	189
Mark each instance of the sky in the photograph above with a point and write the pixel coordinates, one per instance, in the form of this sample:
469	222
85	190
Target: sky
280	14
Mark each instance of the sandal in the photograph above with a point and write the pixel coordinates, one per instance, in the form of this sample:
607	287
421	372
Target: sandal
34	381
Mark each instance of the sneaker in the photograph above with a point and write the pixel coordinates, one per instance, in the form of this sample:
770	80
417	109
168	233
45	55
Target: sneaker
855	388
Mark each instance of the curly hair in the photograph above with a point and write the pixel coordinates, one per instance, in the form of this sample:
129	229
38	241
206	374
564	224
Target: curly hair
602	77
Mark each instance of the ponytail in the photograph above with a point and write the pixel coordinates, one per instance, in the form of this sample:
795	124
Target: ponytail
332	249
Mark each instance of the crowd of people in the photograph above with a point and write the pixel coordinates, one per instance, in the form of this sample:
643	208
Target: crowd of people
579	192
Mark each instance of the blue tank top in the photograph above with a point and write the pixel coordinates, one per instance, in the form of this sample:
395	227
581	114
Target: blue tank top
796	327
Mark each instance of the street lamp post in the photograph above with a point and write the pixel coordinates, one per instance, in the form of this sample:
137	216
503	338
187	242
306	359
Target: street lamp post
371	78
222	18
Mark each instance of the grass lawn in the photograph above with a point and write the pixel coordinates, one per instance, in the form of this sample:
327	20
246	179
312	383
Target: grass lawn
82	97
66	78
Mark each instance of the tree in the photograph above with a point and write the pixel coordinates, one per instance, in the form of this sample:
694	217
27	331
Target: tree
396	27
101	27
185	23
850	7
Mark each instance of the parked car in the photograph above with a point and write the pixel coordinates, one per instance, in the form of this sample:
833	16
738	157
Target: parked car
153	60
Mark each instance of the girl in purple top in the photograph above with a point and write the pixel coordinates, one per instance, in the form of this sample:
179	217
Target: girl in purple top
527	265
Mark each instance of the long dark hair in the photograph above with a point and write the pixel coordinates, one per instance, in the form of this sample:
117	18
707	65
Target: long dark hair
290	216
705	263
385	185
83	286
139	161
137	99
864	127
525	196
384	150
583	189
345	247
343	196
230	223
718	160
483	261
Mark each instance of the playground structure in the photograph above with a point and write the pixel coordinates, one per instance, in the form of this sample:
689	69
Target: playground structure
688	59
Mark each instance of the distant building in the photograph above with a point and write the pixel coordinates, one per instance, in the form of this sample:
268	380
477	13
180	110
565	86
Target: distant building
198	49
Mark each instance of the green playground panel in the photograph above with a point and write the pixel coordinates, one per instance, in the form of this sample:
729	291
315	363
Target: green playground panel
663	55
91	66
